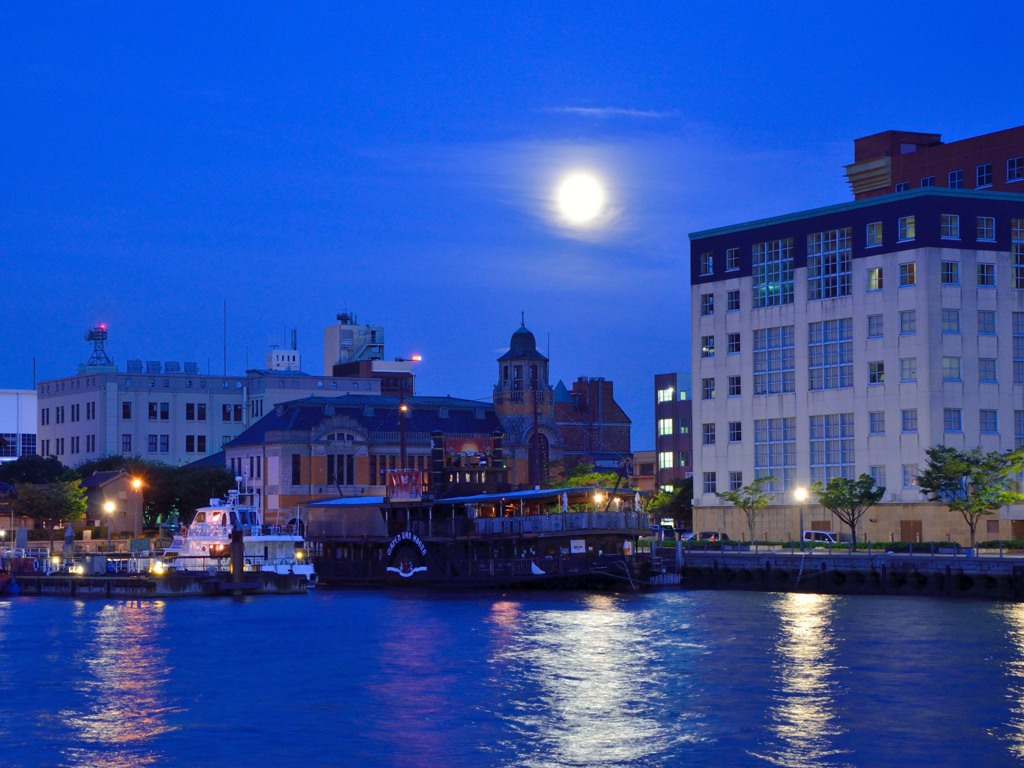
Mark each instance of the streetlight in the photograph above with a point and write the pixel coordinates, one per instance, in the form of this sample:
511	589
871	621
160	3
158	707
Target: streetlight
137	511
800	494
108	508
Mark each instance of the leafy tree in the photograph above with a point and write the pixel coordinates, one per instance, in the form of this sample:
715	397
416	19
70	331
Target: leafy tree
972	482
849	499
752	499
51	504
677	504
32	469
584	475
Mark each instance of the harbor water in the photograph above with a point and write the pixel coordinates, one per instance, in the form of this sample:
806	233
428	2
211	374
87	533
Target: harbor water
404	678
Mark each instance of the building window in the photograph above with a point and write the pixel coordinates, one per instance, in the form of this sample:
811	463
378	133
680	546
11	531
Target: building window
773	273
908	369
732	344
908	274
831	447
225	412
126	410
1017	253
873	234
901	186
665	395
830	354
708	434
735	480
987	370
710	482
908	321
665	427
928	181
874	278
774	360
986	322
151	443
876	372
735	432
732	301
707	304
951	321
952	420
986	275
874	326
949	226
988	420
1015	169
684	425
707	263
126	443
876	422
955	179
734	386
707	389
1018	347
732	259
908	420
877	473
829	259
951	369
153	411
907	229
165	443
910	475
190	411
190	443
1018	428
707	346
949	273
201	448
983	175
986	229
775	452
665	460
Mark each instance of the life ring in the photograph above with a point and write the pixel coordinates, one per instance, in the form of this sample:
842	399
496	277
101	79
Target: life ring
35	565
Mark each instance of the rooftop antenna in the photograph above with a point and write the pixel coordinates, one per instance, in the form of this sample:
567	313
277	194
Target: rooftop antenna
98	336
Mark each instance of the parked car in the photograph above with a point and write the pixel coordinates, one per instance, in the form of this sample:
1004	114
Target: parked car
685	535
826	537
712	536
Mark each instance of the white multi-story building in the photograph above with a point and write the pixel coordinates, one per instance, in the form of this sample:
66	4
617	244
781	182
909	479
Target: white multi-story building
848	340
17	423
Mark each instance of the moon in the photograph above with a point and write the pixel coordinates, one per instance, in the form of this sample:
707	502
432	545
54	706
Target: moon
580	198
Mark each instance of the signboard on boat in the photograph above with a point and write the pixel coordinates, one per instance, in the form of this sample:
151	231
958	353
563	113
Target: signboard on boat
577	546
405	484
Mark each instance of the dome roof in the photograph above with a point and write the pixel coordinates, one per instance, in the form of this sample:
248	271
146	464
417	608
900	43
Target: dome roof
522	345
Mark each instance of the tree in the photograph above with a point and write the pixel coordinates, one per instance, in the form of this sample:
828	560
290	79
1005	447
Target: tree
585	475
677	504
849	499
62	501
752	499
32	469
972	482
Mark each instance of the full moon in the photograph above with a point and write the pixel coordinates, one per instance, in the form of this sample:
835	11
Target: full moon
580	198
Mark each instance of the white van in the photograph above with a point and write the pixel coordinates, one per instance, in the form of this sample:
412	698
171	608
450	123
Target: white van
826	537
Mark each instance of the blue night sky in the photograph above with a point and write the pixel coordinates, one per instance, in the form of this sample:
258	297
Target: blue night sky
399	161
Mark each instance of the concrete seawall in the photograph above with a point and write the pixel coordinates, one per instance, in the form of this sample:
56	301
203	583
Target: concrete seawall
996	578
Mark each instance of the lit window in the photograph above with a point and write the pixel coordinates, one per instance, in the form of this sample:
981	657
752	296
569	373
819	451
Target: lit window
773	273
910	475
873	234
908	274
664	426
907	229
665	395
707	346
874	278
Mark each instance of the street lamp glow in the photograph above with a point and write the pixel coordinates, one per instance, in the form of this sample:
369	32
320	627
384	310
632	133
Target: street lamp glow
108	507
136	483
800	494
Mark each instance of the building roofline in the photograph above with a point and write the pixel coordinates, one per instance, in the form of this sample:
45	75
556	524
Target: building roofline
969	194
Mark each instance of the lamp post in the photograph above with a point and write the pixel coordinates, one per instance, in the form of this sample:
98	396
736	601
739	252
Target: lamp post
108	508
800	494
137	511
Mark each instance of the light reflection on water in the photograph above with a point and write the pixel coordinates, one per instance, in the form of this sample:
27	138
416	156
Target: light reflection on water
571	677
1013	615
120	672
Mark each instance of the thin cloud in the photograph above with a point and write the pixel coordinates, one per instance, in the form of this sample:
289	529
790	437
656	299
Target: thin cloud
603	112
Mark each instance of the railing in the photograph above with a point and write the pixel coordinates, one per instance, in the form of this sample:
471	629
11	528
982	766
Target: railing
569	522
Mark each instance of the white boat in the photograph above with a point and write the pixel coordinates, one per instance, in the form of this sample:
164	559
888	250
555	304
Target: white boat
206	543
